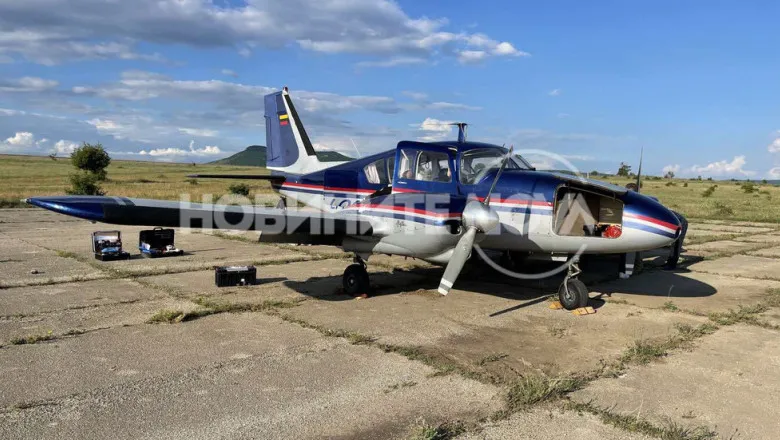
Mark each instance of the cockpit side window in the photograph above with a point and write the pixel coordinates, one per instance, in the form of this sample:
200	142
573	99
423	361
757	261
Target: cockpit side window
476	163
423	165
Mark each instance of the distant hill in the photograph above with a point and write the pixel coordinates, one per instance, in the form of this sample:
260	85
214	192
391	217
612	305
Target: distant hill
256	156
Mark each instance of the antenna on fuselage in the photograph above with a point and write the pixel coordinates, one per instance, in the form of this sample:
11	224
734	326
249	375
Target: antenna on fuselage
461	130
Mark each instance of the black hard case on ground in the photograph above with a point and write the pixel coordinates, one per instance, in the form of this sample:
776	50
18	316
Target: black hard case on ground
157	241
225	276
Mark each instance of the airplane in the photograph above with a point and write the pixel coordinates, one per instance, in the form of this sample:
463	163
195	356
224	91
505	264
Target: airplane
435	201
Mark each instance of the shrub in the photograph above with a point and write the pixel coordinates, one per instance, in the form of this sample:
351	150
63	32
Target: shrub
708	192
721	209
748	187
685	185
85	183
91	158
670	183
239	188
192	181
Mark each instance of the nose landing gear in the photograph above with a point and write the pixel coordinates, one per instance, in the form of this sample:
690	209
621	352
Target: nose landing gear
573	293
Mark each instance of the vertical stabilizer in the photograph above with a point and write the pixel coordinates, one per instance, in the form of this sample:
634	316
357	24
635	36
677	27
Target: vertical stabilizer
289	148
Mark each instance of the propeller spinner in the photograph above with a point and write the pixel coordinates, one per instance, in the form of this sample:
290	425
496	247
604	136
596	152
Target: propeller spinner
477	217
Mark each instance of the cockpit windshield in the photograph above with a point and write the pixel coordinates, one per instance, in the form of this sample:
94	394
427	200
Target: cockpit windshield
474	164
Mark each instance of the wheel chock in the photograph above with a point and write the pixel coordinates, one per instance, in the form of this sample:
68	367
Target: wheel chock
583	311
555	305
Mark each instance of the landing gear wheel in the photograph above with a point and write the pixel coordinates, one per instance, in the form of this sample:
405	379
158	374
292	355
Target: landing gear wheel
356	280
573	294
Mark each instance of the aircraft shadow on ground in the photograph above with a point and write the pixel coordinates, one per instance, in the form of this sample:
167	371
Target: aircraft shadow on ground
600	274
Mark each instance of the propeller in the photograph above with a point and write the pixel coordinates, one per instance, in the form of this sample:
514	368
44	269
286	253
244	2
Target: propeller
639	172
477	217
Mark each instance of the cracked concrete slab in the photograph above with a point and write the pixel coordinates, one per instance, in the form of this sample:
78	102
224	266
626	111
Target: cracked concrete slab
694	291
772	252
741	266
721	247
163	381
26	264
513	324
724	383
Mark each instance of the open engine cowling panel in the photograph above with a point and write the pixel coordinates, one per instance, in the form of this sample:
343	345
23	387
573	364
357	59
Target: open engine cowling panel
582	213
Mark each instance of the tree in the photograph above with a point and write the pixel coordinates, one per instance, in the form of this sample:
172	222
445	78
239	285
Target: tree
669	175
91	162
624	170
91	158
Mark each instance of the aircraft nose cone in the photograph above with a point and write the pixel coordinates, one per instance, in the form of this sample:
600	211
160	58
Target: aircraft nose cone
648	215
86	207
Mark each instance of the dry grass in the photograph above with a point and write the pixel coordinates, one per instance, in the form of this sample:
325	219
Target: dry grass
26	176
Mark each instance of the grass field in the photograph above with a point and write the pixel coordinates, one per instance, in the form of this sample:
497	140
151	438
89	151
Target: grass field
25	176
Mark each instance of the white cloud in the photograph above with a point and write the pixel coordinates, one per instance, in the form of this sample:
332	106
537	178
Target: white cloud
209	150
450	106
11	112
417	96
774	173
65	147
202	132
23	142
393	62
27	84
472	56
774	147
47	32
434	130
673	168
228	72
555	92
724	168
21	139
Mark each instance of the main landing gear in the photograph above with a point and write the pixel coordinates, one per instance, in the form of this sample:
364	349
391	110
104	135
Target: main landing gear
572	293
356	278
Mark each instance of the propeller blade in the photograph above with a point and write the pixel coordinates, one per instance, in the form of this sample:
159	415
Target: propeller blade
458	259
498	174
639	172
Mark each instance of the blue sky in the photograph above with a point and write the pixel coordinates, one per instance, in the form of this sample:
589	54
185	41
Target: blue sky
695	84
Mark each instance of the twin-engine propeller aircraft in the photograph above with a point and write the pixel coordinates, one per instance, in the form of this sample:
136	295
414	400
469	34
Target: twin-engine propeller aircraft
434	201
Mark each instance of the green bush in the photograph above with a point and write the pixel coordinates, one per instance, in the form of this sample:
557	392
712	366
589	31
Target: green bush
748	187
239	188
685	185
91	158
86	184
708	192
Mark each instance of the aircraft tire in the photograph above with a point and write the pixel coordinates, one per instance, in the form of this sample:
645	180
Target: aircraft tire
355	280
577	296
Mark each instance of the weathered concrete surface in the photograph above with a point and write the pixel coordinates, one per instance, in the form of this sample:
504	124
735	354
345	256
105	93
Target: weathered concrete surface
42	299
732	228
182	381
19	259
729	382
772	252
469	327
761	238
87	319
694	291
741	266
550	424
720	247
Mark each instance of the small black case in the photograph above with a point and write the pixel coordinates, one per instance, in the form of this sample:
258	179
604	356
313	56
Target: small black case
225	276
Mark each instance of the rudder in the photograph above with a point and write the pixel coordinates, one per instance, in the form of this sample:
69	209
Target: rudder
289	148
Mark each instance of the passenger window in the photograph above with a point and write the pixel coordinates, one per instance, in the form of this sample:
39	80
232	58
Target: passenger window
390	165
433	166
376	172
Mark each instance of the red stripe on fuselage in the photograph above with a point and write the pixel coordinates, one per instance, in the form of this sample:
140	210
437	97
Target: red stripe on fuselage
652	220
406	210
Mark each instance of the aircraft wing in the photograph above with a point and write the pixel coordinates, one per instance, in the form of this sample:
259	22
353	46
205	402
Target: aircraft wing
275	225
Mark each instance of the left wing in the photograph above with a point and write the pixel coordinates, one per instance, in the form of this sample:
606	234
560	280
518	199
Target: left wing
276	225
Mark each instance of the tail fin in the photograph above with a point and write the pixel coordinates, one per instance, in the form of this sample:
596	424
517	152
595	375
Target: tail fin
289	147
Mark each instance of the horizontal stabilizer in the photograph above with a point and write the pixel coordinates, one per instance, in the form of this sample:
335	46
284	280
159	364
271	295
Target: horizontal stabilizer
279	179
